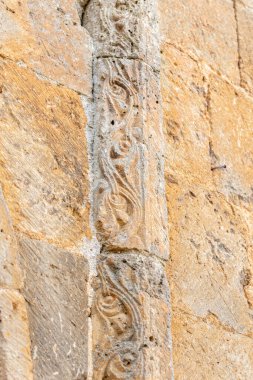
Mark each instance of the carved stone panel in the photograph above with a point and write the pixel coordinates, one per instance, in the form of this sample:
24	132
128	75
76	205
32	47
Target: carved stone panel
129	196
131	319
124	28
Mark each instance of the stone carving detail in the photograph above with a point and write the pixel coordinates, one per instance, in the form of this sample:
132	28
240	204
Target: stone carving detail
118	27
131	290
119	309
119	211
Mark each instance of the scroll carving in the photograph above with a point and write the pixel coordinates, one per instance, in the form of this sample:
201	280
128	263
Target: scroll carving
119	211
119	309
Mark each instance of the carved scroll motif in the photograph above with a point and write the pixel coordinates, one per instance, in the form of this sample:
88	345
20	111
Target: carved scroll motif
119	211
118	26
120	311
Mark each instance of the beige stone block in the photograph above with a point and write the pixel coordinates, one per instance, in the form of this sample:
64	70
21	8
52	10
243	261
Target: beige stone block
186	124
10	275
48	37
15	359
44	165
244	12
124	29
56	293
205	28
203	349
131	319
210	269
232	139
130	212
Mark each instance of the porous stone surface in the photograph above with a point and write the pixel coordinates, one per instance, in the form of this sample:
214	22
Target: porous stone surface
44	166
55	288
132	309
208	171
15	359
47	36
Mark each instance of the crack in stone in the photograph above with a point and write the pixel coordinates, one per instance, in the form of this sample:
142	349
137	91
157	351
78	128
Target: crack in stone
239	61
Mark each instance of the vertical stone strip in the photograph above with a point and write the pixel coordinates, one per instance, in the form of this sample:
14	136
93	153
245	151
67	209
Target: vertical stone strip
131	334
15	357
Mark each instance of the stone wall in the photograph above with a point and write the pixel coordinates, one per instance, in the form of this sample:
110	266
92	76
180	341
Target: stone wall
84	86
207	62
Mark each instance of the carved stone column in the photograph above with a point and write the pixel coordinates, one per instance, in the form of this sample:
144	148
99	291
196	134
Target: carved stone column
131	336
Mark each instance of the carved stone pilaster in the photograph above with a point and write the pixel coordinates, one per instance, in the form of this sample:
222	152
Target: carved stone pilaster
130	212
131	335
131	319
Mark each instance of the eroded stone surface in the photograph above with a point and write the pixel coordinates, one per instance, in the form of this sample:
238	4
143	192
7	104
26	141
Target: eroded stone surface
55	289
15	358
47	37
10	275
131	336
129	194
124	29
205	28
44	165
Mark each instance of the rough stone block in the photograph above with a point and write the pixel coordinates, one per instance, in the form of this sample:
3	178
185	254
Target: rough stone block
15	359
56	293
129	197
244	11
205	28
47	36
10	275
44	164
231	140
131	319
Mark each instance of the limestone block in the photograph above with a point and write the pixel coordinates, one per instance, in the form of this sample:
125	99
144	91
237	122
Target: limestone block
231	137
131	319
10	275
211	265
48	37
130	212
56	293
44	165
186	123
15	359
205	28
244	11
124	29
203	349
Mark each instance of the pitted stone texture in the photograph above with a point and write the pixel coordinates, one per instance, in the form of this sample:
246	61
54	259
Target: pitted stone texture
131	316
56	293
244	15
130	212
47	36
44	165
124	29
232	123
15	359
10	275
207	29
220	353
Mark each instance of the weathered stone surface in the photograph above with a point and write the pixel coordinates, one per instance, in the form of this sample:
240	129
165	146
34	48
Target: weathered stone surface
207	125
131	336
204	350
244	15
205	28
129	198
231	142
124	29
15	359
10	275
56	293
48	37
43	157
